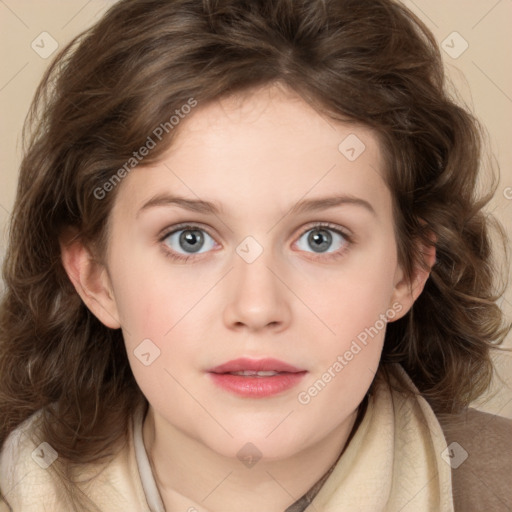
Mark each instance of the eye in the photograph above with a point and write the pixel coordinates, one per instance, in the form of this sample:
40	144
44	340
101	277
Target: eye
187	240
321	237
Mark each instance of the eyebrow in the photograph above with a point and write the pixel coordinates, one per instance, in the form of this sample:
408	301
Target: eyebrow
304	206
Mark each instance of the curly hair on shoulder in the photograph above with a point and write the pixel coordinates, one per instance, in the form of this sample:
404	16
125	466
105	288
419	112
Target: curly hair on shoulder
369	62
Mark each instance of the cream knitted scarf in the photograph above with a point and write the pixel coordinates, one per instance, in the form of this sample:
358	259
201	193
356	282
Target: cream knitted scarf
393	463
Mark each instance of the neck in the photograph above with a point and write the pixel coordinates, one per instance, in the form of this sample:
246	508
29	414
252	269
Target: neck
191	477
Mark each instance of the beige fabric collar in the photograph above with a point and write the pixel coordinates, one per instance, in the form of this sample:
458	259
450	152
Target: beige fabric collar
393	462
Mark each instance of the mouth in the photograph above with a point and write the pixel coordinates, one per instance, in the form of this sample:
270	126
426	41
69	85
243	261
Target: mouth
251	367
256	378
251	373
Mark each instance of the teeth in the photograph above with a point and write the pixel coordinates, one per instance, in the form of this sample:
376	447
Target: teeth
246	373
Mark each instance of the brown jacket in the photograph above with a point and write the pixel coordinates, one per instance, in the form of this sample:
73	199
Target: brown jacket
483	481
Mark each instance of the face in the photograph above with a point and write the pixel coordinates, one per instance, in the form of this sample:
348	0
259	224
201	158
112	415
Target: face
293	258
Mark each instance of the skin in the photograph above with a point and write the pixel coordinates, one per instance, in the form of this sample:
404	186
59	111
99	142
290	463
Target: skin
257	156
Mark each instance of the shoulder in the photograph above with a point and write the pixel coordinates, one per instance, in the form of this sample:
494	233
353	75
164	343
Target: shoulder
480	453
23	465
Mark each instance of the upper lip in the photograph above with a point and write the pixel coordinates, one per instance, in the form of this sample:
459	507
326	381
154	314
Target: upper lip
258	365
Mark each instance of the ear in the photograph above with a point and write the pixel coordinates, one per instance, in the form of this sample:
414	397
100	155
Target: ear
89	277
406	291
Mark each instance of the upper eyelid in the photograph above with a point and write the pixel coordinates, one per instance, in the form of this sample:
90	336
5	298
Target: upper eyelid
182	226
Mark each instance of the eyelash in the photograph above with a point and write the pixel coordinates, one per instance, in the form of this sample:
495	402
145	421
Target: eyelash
349	241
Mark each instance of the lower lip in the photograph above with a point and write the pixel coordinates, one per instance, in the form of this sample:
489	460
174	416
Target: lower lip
257	387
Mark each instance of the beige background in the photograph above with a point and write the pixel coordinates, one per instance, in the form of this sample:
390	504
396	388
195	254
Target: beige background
481	74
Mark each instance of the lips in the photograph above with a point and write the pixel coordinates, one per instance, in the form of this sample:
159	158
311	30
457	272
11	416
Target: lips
252	378
245	364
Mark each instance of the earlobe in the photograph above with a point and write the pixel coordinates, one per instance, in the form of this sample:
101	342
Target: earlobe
90	278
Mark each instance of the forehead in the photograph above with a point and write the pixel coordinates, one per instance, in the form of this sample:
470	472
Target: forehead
265	149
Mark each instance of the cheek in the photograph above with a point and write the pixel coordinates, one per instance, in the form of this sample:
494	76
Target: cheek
355	296
161	311
157	328
151	294
348	352
353	304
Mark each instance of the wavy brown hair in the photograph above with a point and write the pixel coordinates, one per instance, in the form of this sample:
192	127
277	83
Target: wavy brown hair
369	62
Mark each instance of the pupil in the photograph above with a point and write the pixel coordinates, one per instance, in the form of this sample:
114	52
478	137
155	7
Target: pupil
193	238
316	239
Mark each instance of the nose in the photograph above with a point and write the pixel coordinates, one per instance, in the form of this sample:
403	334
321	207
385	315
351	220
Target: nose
257	296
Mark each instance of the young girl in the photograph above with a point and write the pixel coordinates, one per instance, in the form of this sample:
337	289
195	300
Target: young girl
249	270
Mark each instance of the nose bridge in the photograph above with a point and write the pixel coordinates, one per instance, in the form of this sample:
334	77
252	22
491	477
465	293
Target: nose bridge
257	297
252	268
